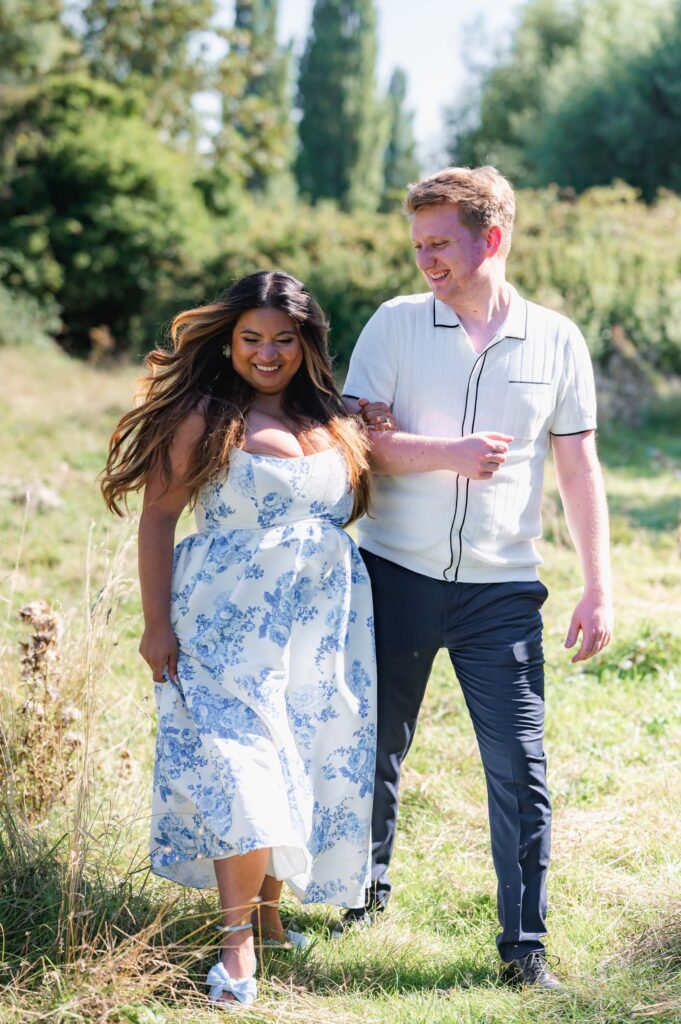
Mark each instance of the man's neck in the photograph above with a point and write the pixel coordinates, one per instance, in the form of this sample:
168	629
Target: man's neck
483	313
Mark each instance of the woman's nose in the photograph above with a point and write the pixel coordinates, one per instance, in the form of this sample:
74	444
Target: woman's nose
267	351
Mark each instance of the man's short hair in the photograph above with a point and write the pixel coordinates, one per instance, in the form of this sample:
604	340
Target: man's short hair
482	196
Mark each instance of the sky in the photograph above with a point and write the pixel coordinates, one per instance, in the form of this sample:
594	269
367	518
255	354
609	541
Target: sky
429	39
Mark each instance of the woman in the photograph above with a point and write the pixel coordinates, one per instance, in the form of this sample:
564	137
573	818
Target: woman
261	625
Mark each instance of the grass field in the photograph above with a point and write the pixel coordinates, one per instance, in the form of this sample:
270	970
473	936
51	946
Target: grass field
87	935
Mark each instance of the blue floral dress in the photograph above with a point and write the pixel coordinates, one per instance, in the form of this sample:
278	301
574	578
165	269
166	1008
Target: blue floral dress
269	738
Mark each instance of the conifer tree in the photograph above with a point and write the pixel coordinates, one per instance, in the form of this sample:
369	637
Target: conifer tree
342	127
400	163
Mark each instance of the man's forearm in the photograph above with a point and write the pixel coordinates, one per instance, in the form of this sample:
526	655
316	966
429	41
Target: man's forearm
586	512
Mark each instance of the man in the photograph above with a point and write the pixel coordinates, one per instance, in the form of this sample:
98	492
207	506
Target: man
480	381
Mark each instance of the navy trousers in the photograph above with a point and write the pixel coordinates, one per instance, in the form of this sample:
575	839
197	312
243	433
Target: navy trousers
493	632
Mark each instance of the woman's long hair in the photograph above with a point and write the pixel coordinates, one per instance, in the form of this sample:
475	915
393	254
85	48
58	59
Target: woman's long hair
196	375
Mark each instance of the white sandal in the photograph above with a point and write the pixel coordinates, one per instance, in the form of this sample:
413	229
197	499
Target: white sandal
244	990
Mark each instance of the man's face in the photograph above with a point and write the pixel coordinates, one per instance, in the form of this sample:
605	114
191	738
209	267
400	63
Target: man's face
448	254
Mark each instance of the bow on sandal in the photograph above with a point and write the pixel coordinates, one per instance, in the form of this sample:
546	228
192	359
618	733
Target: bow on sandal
244	990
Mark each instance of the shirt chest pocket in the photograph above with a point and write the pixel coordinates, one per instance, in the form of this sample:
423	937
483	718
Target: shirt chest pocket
528	406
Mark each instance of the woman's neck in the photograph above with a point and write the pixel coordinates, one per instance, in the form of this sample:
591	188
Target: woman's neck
270	405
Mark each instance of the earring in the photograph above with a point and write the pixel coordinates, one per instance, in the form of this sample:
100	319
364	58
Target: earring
227	350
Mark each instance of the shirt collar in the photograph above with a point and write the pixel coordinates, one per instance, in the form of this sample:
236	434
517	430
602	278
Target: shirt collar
514	326
444	315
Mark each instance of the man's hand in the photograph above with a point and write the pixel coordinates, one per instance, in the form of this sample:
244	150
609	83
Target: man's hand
593	617
159	648
580	483
377	415
479	456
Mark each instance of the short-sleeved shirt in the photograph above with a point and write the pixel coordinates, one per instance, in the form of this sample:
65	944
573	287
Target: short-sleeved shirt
533	379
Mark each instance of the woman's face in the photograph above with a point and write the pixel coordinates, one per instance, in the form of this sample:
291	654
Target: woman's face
266	349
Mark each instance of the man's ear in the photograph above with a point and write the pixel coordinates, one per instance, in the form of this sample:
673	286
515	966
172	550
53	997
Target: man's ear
494	240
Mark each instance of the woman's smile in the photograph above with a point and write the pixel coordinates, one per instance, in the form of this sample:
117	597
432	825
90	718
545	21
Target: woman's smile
266	349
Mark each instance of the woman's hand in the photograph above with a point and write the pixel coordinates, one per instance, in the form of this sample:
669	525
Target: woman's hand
159	648
377	415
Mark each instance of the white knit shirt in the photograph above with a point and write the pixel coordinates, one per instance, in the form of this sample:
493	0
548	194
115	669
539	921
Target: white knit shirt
533	379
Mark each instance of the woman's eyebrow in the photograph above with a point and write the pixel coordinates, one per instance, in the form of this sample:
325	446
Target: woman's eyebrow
252	330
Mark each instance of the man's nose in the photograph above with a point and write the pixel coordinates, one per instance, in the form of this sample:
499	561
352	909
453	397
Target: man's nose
424	259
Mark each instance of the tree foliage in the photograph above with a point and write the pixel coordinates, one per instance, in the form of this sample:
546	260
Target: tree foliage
400	165
589	91
112	217
33	41
494	123
153	46
254	144
342	126
613	105
108	230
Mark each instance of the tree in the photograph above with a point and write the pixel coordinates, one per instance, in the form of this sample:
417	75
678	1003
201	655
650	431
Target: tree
493	125
111	230
255	141
568	103
154	46
613	105
342	127
400	163
33	40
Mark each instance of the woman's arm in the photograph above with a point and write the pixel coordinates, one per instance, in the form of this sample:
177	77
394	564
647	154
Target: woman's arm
477	456
163	504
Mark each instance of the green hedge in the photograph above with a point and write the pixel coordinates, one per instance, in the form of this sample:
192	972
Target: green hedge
605	259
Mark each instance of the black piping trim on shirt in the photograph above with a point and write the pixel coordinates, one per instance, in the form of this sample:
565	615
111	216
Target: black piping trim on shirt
573	433
516	337
458	475
482	357
436	324
465	508
355	398
523	336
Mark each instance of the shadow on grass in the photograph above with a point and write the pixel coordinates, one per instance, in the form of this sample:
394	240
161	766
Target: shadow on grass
53	920
397	955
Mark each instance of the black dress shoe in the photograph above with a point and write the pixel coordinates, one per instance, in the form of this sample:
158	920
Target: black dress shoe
531	970
376	900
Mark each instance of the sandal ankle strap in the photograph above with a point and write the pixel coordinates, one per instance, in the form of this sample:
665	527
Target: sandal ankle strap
229	928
